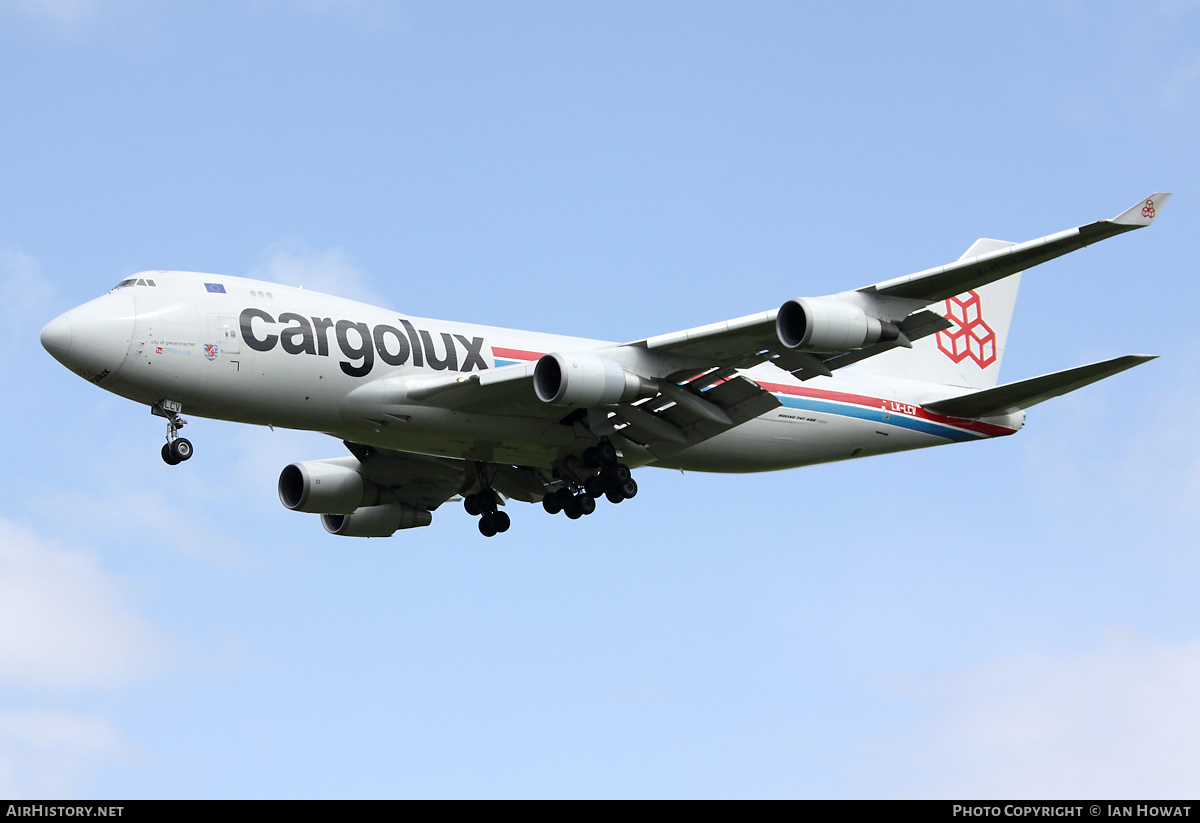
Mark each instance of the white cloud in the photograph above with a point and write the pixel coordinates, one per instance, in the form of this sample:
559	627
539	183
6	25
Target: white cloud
66	621
1098	449
292	262
47	753
1162	463
64	15
1121	720
164	518
24	291
1180	84
372	13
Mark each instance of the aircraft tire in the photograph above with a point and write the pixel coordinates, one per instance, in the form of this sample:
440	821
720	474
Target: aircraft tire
586	504
181	449
168	456
551	503
607	453
573	509
613	476
502	521
471	504
487	525
629	488
593	486
614	495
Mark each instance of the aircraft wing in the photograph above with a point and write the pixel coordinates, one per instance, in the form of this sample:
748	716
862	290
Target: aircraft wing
506	387
702	395
681	409
688	409
425	482
939	283
418	480
747	341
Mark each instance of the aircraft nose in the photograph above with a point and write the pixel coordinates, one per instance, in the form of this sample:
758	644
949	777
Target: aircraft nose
92	340
56	337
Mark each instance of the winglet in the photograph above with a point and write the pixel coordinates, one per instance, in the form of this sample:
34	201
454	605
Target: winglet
1143	213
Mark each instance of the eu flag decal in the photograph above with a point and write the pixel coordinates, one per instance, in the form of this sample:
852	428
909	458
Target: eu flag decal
216	288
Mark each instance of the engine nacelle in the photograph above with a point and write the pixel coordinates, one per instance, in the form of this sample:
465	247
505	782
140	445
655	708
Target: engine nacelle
376	521
828	324
328	487
586	380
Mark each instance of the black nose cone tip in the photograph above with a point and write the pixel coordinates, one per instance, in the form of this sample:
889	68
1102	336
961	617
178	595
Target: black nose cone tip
56	337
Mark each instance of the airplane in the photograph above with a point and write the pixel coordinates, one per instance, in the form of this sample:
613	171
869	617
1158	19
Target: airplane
432	411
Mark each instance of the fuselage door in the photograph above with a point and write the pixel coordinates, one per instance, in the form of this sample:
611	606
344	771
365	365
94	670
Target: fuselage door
221	339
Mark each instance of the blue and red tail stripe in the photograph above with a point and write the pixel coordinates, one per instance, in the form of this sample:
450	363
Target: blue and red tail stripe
886	412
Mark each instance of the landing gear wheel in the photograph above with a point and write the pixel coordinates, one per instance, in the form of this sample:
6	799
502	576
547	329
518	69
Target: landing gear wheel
501	521
487	525
471	504
614	496
586	504
168	457
181	449
629	488
573	509
551	503
607	452
593	486
613	476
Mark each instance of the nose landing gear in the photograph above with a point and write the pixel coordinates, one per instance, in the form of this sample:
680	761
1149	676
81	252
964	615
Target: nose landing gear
176	449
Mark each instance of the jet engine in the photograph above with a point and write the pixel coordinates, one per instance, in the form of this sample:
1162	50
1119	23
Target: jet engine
586	380
828	324
329	487
376	521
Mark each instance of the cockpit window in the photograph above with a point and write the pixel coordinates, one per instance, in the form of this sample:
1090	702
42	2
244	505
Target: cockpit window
134	281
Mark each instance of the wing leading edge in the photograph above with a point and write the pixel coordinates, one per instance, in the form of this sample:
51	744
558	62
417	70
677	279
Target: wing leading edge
756	338
935	284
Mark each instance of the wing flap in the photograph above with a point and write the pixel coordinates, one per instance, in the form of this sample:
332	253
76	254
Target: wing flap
1014	397
669	423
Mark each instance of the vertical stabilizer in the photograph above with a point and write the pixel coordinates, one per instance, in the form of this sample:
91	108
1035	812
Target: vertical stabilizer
969	353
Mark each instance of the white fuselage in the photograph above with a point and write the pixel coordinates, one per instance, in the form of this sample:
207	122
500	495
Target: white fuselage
258	352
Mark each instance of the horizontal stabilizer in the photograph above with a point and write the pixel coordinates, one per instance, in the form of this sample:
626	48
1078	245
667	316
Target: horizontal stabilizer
1013	397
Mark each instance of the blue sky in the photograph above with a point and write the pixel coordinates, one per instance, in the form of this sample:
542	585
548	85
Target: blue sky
1010	618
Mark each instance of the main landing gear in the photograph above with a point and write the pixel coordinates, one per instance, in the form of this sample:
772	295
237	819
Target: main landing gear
614	481
483	503
176	449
